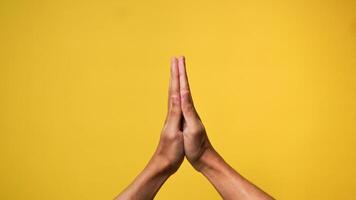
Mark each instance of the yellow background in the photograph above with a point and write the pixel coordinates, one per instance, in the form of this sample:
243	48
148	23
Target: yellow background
83	88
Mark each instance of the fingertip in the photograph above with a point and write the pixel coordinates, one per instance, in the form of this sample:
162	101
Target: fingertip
173	61
181	58
173	64
181	66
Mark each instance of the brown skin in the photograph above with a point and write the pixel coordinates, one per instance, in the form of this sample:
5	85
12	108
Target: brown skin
169	154
184	134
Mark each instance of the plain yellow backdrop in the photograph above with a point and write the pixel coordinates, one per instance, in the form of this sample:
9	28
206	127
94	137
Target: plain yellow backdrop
83	88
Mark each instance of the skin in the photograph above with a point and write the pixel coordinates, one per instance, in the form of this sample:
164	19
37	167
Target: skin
184	135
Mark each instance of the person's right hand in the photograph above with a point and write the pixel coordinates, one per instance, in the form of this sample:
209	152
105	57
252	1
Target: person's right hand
203	157
196	141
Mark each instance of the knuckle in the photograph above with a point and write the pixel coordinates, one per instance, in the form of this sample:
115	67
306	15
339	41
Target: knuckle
174	111
185	93
175	100
175	108
187	104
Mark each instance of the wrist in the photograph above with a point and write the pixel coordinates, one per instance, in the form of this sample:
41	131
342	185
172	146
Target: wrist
161	165
148	182
211	162
206	160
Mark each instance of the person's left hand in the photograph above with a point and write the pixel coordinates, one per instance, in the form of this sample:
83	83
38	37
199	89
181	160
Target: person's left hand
169	154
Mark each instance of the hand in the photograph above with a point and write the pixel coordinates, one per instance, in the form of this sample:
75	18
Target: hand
203	157
196	141
169	154
170	150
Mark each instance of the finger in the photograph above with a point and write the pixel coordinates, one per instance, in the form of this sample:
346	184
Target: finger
174	107
187	104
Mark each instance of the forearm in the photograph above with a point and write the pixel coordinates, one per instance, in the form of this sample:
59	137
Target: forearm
229	183
148	182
